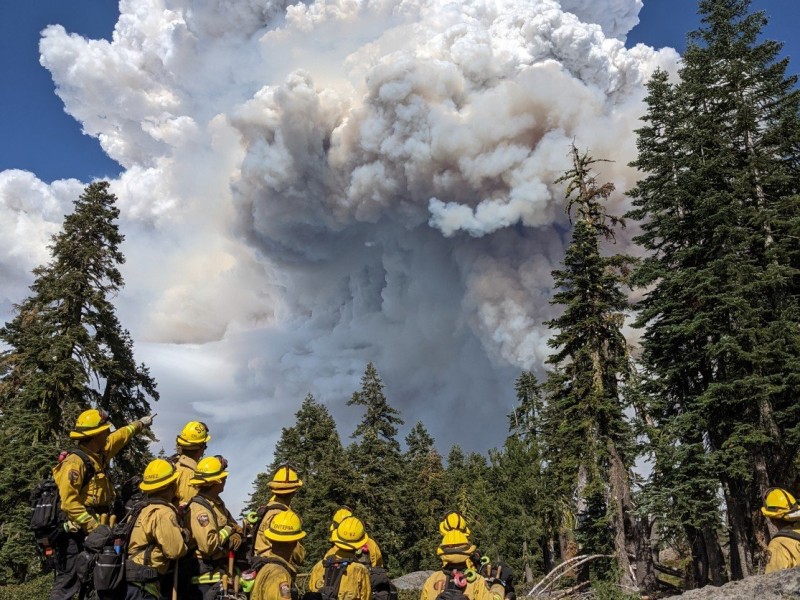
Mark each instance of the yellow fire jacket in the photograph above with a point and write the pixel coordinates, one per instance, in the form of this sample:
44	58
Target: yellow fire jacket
211	528
784	552
82	505
156	527
476	590
275	580
262	545
185	467
355	580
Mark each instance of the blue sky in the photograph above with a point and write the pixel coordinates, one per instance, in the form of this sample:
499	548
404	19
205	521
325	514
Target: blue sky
39	136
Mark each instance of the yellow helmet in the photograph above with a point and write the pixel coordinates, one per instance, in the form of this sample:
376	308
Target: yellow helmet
90	422
350	534
285	480
194	435
158	474
454	521
286	526
455	544
339	516
780	504
209	470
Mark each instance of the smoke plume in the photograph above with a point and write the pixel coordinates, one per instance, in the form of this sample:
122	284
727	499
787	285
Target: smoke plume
308	187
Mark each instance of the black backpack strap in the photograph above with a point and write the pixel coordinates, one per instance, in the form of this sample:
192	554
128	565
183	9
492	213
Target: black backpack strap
793	535
89	469
207	505
335	568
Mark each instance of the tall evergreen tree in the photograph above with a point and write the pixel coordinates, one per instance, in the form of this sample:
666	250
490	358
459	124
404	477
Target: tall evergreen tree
378	462
590	444
66	352
311	446
720	211
424	501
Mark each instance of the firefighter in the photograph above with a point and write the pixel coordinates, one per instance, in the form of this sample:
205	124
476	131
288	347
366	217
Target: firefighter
784	547
190	444
214	531
86	505
369	554
156	538
458	572
276	575
284	484
341	574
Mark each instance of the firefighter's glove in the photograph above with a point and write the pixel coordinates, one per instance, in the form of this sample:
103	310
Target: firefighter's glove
70	527
147	420
234	541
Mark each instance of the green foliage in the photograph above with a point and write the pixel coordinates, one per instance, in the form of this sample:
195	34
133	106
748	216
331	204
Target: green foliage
66	352
375	456
720	215
35	589
312	446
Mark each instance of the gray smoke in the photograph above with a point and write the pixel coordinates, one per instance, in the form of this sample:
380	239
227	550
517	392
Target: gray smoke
312	186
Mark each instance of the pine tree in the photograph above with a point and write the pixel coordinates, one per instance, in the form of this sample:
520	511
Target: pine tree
66	352
424	501
720	211
376	457
311	446
527	520
589	442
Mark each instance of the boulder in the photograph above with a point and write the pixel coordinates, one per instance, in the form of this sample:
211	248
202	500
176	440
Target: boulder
782	585
412	581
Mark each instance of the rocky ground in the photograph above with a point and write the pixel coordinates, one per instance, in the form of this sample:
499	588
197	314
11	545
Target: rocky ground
783	585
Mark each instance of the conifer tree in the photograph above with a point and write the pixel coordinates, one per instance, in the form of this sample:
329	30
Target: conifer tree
589	442
424	501
527	521
375	455
66	352
720	211
311	446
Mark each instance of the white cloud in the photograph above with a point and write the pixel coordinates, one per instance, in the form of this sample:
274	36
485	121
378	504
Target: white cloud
313	186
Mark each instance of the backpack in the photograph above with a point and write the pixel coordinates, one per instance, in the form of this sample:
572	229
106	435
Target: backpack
112	563
382	586
451	591
251	529
335	568
47	517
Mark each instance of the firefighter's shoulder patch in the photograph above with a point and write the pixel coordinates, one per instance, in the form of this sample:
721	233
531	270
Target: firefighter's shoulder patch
74	476
202	518
439	585
286	591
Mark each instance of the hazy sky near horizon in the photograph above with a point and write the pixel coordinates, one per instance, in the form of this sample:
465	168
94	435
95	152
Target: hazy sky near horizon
306	188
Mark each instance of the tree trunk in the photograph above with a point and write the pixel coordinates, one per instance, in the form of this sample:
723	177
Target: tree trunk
716	561
741	557
621	506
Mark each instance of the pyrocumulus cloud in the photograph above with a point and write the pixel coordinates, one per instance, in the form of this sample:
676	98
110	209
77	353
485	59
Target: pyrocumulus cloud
311	186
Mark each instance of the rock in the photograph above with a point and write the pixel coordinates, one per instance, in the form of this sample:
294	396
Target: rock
783	585
412	581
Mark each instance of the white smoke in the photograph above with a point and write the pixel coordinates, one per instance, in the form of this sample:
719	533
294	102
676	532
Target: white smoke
309	187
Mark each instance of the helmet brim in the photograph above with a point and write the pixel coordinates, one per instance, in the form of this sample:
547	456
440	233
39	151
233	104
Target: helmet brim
79	435
201	482
284	537
158	485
